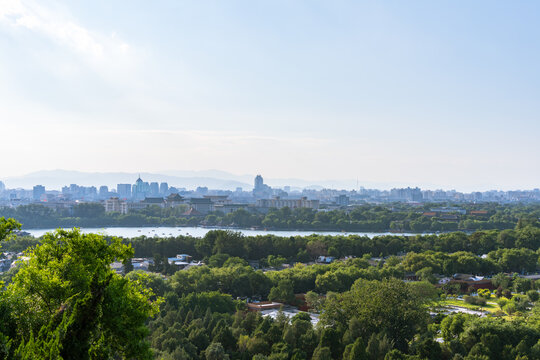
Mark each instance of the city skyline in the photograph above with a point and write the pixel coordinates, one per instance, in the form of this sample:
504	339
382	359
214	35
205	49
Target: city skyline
214	179
422	94
146	193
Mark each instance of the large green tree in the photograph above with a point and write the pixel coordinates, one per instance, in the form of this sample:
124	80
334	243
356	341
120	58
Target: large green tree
67	303
390	307
7	226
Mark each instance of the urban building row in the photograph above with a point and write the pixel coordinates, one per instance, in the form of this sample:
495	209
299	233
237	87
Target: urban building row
140	193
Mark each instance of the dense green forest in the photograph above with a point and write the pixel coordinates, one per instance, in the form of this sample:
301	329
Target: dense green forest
377	218
506	250
81	309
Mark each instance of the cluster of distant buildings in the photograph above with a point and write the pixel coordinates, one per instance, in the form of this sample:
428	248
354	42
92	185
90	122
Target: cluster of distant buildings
201	201
142	194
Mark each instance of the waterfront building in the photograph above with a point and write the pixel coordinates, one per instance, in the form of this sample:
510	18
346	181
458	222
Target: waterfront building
279	203
201	205
174	200
229	208
114	204
157	201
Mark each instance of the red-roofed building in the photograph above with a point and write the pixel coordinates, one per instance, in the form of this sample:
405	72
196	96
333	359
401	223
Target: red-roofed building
478	212
264	305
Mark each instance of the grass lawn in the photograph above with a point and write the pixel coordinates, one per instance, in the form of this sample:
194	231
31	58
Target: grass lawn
489	307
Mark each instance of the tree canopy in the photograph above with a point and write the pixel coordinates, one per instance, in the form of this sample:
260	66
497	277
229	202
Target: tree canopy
66	302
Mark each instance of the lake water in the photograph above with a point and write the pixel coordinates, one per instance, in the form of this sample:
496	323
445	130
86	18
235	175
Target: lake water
130	232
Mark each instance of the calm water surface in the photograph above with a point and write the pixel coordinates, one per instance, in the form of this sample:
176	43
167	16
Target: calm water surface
130	232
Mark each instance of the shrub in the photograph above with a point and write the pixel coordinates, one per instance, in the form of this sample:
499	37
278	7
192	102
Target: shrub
474	300
533	295
485	293
510	308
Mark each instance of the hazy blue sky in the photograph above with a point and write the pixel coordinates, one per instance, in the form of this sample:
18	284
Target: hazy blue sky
434	93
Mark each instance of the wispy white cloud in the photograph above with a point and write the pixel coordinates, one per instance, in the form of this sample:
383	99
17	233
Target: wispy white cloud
55	64
61	28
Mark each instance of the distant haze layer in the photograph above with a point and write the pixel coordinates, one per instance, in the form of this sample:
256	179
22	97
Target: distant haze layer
213	179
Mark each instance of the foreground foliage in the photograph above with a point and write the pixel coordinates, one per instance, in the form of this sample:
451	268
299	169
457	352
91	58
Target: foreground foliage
65	302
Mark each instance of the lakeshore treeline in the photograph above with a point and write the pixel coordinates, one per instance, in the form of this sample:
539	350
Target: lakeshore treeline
482	252
369	217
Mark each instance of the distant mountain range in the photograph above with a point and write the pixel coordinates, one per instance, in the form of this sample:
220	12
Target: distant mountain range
213	179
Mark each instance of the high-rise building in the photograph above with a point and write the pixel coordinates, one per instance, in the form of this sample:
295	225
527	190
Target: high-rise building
259	183
91	191
124	191
407	194
37	191
164	188
103	191
154	188
260	189
2	187
342	200
140	189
